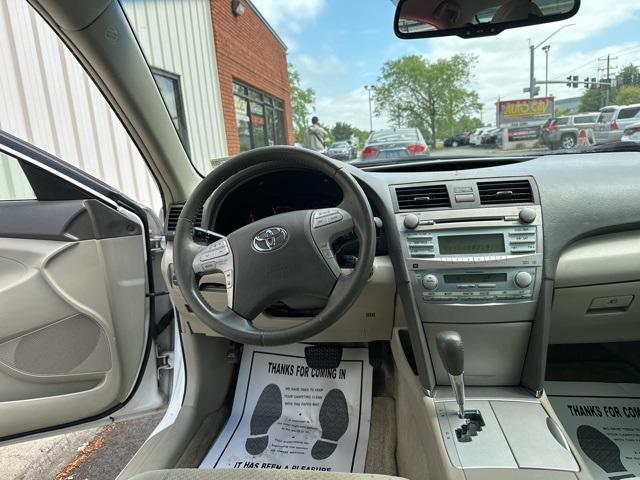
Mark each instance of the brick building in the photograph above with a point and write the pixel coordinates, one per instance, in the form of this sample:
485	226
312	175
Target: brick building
253	77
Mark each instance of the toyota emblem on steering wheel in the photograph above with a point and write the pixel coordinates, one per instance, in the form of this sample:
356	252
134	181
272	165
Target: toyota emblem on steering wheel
270	239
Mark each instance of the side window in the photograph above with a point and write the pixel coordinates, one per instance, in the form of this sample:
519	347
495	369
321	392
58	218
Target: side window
584	119
48	100
171	91
13	182
628	113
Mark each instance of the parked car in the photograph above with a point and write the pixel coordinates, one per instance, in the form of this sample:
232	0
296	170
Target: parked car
492	136
613	120
476	137
342	150
562	132
456	140
631	133
394	143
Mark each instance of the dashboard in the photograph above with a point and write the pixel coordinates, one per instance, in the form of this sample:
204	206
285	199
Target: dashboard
511	274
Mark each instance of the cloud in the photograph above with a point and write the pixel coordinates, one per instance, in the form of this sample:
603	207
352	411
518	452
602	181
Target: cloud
351	107
313	67
503	61
289	15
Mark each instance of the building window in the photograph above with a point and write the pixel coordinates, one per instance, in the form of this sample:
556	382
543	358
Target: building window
259	118
169	86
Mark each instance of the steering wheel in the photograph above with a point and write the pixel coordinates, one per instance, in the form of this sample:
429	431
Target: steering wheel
283	256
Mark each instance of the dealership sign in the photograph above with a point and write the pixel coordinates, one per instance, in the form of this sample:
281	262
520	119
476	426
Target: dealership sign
529	111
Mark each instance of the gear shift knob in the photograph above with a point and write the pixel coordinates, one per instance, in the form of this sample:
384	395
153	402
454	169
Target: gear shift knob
451	352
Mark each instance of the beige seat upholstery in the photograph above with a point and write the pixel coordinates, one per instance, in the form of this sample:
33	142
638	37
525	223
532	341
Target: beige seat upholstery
249	474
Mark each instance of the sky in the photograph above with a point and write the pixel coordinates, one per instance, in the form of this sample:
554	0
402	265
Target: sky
339	46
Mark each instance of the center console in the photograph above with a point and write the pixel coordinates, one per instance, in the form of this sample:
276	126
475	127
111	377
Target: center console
473	250
475	264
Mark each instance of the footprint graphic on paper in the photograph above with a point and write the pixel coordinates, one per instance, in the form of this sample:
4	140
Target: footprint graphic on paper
602	451
334	421
267	412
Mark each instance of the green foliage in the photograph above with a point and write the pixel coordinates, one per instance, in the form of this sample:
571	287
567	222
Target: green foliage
627	95
342	131
345	131
464	124
591	100
561	112
414	92
302	103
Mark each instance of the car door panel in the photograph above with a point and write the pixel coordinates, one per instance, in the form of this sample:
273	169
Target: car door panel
72	322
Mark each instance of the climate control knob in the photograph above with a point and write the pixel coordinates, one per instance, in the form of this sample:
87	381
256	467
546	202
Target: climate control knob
527	215
411	221
523	279
430	282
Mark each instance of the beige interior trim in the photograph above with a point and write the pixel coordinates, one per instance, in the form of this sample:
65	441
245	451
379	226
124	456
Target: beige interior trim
370	318
611	258
104	281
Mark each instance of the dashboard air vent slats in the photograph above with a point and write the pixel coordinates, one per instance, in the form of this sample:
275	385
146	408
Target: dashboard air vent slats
505	192
422	197
174	213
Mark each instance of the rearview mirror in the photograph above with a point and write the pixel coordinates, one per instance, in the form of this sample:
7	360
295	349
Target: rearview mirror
476	18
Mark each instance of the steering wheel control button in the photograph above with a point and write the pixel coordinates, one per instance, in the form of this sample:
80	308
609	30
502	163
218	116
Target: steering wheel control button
430	282
411	221
523	279
322	218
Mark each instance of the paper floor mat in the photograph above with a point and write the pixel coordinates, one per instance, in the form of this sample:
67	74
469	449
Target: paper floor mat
286	415
606	431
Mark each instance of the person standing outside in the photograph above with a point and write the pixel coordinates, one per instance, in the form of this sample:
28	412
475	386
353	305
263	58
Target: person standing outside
315	136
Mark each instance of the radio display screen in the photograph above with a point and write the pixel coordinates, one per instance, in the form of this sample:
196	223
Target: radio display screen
476	278
471	244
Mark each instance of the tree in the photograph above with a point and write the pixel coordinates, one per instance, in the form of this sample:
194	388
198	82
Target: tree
414	92
302	103
629	75
345	131
342	131
562	112
627	95
591	100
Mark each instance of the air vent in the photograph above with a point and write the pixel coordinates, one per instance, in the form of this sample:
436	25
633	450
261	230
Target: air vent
504	192
422	197
174	213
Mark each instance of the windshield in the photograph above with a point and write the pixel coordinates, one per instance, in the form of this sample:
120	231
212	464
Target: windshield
315	73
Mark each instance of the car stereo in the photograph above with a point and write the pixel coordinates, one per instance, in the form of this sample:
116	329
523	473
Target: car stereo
478	256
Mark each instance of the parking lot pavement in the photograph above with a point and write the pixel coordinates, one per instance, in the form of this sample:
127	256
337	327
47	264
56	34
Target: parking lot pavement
92	454
43	458
120	445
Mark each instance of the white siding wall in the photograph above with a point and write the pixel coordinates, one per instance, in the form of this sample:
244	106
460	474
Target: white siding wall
177	36
47	99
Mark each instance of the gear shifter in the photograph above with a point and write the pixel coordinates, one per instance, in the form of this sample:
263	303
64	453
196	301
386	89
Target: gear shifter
451	352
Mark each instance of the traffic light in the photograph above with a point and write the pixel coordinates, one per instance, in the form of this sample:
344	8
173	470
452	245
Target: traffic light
586	82
573	81
593	82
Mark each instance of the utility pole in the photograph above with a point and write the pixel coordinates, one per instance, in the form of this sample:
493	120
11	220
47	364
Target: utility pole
546	49
532	80
368	88
608	77
532	49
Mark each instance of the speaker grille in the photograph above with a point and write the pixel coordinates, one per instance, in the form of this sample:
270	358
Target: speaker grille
74	345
